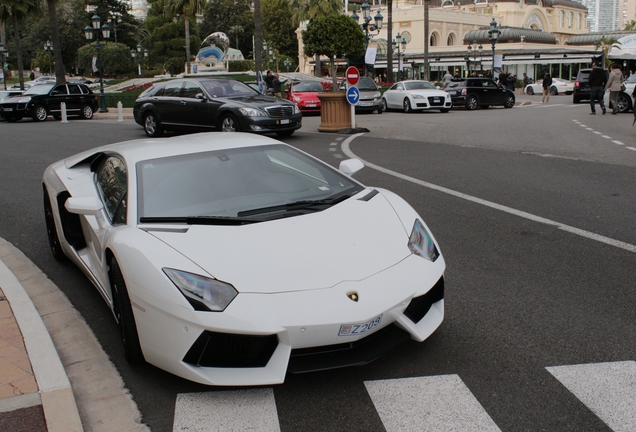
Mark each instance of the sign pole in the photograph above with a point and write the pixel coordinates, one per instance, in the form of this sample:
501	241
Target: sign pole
353	94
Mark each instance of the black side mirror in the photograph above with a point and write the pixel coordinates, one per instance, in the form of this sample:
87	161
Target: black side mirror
201	96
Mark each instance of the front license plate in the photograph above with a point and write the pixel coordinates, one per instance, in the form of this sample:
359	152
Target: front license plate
358	329
7	109
284	121
366	103
311	105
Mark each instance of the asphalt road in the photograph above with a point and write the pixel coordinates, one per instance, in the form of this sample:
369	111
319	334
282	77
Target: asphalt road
534	211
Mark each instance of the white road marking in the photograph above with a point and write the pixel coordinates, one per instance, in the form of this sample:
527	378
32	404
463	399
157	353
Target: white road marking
237	410
597	132
596	237
436	403
606	137
608	389
618	142
631	148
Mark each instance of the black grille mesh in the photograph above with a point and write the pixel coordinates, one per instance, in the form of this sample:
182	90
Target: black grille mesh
280	111
227	350
420	306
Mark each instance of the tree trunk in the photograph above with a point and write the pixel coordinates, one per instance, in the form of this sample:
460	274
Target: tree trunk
57	47
389	40
16	36
257	36
186	20
317	67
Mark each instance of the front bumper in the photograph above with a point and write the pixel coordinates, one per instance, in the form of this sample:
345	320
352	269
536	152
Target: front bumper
264	125
9	111
261	337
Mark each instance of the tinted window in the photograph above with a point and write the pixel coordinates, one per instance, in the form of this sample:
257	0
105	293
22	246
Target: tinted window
74	89
60	90
488	84
112	184
419	85
172	89
307	86
84	89
366	84
191	89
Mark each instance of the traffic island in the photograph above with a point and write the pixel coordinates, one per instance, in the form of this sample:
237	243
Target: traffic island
335	112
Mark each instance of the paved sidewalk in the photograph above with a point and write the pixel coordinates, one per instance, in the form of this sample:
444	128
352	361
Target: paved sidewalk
54	375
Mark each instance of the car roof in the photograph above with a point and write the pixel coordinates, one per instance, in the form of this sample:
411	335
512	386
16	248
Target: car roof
153	148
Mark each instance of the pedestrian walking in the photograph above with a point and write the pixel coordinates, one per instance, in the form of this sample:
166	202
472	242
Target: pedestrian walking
597	87
268	82
614	84
547	83
510	82
277	84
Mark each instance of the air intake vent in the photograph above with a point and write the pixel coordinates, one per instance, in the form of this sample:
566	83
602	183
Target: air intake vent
420	306
225	350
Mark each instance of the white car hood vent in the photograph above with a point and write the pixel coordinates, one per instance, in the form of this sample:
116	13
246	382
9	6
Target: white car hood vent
349	241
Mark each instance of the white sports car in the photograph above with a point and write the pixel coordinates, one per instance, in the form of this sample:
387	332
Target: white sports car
233	259
559	86
416	95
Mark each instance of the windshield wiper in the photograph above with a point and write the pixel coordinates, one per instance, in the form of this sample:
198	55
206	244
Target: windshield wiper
316	205
200	220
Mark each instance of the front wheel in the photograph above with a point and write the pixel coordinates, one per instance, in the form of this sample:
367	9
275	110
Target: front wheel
152	127
229	124
40	113
472	103
623	102
510	101
529	91
406	105
87	112
384	106
124	315
554	91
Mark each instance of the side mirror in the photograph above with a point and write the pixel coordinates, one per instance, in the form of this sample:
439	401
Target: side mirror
84	205
350	166
201	96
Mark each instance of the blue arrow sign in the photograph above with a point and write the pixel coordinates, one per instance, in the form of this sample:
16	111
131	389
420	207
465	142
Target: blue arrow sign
353	95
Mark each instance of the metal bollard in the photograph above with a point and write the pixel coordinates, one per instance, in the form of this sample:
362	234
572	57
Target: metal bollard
63	108
120	112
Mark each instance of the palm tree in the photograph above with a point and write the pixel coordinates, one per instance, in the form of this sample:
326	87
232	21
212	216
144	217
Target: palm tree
606	44
187	8
55	39
305	10
16	11
630	25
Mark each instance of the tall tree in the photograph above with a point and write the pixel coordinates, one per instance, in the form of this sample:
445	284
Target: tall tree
606	44
55	39
232	17
186	8
16	11
630	25
389	40
306	10
278	28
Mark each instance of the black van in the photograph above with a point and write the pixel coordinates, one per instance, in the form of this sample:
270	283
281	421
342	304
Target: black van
582	85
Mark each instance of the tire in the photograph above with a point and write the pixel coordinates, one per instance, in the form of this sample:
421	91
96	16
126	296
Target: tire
385	106
51	231
285	133
624	103
406	105
554	91
379	110
509	102
87	112
40	113
229	124
529	91
576	100
444	110
152	127
471	102
124	315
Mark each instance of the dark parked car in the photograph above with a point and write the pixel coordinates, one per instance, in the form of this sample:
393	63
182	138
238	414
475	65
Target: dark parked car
582	85
479	92
4	94
43	100
204	104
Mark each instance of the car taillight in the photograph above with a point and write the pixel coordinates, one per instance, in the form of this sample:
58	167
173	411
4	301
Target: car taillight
577	84
95	97
463	91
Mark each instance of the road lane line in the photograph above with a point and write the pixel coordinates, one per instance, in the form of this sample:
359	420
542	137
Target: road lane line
608	389
599	238
631	148
618	142
435	403
236	410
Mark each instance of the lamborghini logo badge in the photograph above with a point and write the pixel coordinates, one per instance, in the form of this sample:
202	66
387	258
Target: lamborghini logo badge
353	296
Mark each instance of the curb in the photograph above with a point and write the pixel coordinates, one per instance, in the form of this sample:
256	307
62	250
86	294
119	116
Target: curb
56	394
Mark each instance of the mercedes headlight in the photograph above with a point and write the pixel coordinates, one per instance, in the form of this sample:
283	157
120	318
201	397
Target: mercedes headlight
252	112
203	293
421	243
296	109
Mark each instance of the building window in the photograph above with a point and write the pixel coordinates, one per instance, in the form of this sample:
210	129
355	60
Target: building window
569	16
433	41
560	18
451	39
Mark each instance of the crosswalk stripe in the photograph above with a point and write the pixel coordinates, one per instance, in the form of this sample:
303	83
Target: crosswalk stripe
436	403
608	389
227	411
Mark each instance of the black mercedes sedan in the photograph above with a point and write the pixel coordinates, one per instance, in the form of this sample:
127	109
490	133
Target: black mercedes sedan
204	104
40	101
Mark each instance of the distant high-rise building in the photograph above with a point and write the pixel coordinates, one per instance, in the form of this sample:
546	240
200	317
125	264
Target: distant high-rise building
138	8
604	15
629	12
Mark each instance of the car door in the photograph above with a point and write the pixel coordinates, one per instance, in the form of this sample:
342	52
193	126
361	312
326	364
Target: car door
54	100
74	99
497	94
395	95
193	110
168	102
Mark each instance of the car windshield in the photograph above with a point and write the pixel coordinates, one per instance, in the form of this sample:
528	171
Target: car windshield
631	79
366	84
235	182
39	89
223	88
419	85
307	86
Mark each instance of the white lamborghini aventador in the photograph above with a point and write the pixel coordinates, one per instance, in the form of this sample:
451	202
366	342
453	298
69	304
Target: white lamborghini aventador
233	259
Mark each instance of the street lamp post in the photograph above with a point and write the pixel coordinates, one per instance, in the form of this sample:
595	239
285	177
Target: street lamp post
4	54
396	43
136	54
366	25
474	50
48	48
287	62
493	36
115	21
105	32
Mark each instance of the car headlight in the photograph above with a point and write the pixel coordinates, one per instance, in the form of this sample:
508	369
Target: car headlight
252	112
421	243
297	99
203	293
377	95
24	100
418	96
296	109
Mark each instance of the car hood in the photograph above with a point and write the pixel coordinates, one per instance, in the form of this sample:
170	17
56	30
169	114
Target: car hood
349	241
428	93
260	100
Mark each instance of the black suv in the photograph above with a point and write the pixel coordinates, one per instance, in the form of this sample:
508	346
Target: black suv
43	100
479	92
582	85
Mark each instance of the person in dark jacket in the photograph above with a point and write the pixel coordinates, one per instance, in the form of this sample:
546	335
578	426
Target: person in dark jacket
277	84
597	87
547	83
268	81
510	82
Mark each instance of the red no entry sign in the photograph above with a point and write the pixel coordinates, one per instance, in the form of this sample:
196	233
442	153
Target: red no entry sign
352	75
